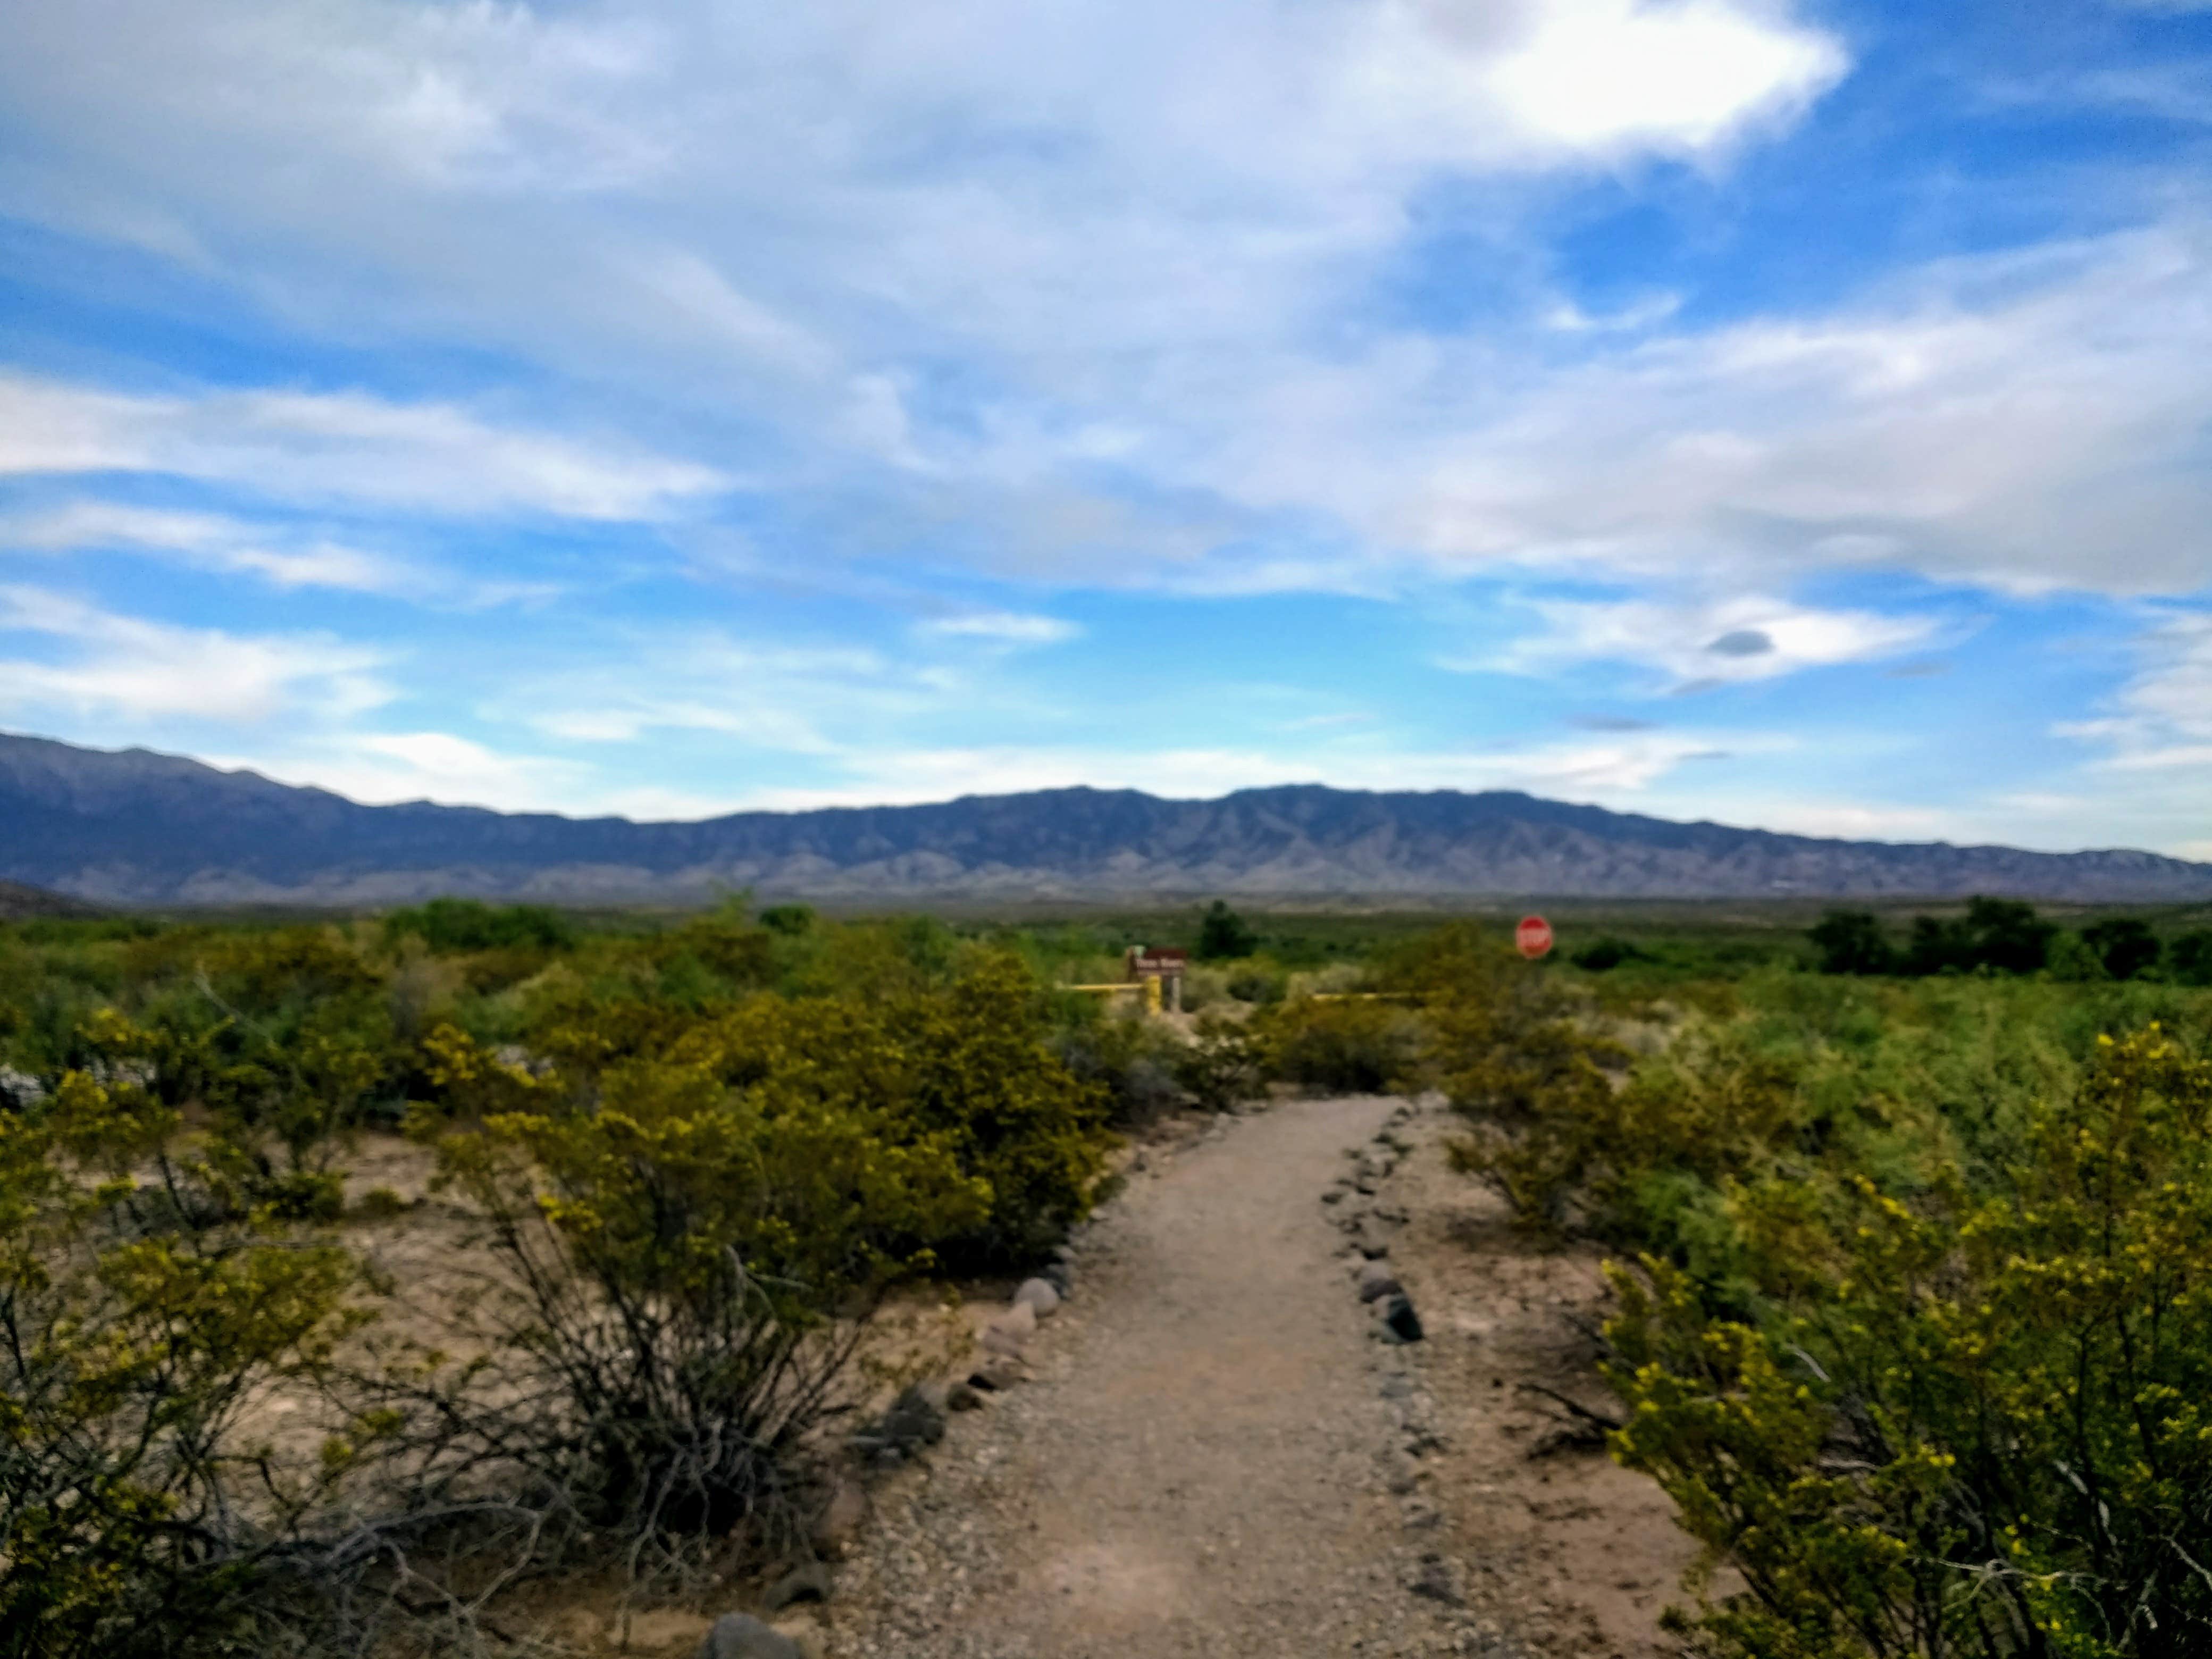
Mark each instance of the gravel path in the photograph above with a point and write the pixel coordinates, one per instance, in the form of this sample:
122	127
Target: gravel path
1213	1456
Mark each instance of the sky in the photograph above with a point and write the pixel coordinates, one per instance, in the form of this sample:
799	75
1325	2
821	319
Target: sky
1780	412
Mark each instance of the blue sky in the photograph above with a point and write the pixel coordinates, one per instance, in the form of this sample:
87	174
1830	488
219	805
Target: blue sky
1798	415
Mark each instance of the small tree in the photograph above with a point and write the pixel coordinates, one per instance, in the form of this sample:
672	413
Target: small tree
1853	942
1223	934
2124	944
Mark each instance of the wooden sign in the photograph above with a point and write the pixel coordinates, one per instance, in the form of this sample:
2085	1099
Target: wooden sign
1145	962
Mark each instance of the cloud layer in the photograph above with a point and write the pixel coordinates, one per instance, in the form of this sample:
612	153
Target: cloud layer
644	401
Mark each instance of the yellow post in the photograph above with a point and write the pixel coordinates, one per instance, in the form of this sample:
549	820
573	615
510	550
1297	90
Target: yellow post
1153	995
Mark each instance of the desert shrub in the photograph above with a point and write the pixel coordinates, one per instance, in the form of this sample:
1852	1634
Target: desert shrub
270	975
453	925
2002	935
1260	986
2073	960
1603	954
983	1079
1342	1045
2125	945
1976	1423
380	1204
136	1515
688	1255
1224	1065
966	1063
1536	1090
2190	957
1853	942
1136	1064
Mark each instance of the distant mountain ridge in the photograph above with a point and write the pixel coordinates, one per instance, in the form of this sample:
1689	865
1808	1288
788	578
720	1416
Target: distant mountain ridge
136	827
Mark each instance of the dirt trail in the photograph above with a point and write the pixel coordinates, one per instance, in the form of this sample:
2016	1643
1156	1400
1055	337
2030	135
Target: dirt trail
1203	1463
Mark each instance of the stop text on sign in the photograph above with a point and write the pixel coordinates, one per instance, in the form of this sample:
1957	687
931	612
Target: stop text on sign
1534	936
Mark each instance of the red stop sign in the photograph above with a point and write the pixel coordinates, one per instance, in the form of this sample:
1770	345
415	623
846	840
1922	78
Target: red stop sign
1534	936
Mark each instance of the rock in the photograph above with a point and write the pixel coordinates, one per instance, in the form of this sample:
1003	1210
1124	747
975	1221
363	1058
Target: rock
963	1397
1438	1581
1063	1253
1400	1319
808	1582
998	1372
1021	1319
741	1636
1377	1280
1007	1345
1039	1297
1055	1273
1373	1235
914	1420
843	1515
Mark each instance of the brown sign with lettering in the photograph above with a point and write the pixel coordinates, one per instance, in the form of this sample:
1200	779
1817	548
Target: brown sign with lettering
1148	963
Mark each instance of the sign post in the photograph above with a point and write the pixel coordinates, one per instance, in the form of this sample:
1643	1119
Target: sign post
1533	937
1162	971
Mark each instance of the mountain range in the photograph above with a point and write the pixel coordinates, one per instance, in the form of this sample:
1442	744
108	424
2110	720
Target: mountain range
136	827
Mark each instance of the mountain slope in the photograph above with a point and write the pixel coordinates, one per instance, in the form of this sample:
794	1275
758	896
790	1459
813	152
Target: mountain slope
137	827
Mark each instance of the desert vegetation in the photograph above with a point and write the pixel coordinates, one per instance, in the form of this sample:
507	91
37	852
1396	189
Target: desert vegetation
1913	1278
1912	1259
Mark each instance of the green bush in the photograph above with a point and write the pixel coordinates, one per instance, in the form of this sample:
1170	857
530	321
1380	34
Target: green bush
2125	945
1224	1065
2192	957
448	925
1136	1063
1260	986
1978	1420
136	1516
1853	942
1342	1046
1602	955
684	1239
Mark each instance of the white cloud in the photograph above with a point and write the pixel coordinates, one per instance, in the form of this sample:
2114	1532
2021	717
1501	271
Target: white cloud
1138	238
336	446
382	768
115	665
210	541
1621	73
2024	421
781	698
2161	719
1743	638
781	222
1003	628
